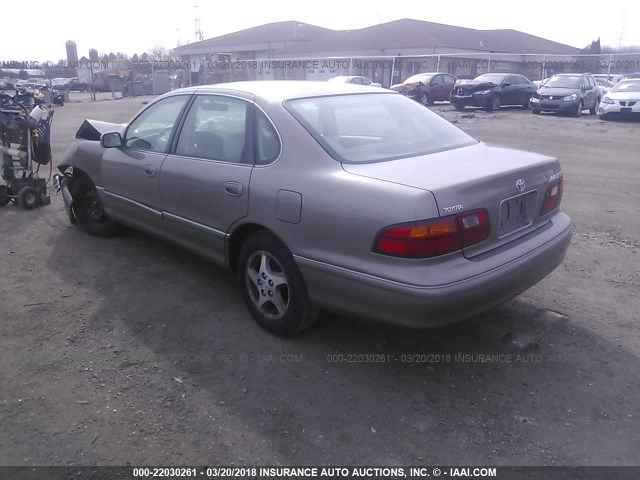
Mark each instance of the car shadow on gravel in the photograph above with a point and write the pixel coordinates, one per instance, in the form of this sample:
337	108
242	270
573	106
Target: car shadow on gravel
519	385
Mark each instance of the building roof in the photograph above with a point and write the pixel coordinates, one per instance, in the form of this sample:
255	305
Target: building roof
301	38
277	32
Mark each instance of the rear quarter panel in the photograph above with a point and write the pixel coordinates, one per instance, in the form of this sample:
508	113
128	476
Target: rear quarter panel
341	213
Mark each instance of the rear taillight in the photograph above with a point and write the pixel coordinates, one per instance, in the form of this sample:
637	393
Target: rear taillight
431	238
552	198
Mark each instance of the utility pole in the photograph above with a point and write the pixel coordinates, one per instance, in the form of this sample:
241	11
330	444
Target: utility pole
197	24
625	13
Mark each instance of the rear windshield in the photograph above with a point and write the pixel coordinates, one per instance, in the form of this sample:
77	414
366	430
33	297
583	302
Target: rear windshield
496	78
421	77
564	82
627	86
361	128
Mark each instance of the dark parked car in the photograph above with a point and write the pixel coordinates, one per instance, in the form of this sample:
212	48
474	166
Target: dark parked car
490	90
9	84
427	88
69	84
569	93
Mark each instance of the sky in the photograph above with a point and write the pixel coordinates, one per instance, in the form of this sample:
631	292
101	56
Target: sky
135	26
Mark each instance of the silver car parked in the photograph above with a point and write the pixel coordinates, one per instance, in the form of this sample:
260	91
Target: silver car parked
325	196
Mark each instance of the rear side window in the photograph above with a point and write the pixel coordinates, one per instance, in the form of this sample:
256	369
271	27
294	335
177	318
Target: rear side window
362	128
267	141
215	129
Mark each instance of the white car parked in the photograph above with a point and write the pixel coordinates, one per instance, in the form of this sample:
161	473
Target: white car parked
357	80
623	99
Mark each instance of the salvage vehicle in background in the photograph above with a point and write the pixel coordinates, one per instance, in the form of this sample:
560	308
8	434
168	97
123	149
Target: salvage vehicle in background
611	77
568	93
622	100
491	90
603	85
356	80
427	88
325	196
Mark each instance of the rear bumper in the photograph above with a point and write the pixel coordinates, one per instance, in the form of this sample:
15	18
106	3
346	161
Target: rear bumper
428	306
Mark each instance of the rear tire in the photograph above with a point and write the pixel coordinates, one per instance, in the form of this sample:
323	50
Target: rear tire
88	209
272	286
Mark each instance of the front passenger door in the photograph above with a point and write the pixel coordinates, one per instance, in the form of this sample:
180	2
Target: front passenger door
131	173
509	91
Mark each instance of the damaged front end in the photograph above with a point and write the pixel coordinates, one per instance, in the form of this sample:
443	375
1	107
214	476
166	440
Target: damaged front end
62	183
472	93
83	156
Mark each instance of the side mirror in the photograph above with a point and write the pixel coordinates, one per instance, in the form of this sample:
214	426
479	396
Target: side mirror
111	140
506	84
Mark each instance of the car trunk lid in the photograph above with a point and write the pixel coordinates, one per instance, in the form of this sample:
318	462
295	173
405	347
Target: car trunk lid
509	184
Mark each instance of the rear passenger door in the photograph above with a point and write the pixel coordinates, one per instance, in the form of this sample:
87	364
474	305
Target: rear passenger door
595	92
205	179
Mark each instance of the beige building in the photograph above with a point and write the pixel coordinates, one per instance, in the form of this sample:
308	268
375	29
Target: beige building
387	53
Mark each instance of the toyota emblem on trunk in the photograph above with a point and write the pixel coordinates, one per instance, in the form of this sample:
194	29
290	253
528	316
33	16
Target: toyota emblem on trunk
520	185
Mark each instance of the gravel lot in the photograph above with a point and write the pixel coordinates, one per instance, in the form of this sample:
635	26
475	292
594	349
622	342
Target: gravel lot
131	350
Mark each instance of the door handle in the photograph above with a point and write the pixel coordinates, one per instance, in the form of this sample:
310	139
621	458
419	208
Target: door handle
149	170
233	188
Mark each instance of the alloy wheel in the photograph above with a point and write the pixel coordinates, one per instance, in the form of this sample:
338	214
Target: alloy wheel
267	285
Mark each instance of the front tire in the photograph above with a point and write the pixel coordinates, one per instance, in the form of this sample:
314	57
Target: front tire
88	209
535	111
578	112
272	287
494	103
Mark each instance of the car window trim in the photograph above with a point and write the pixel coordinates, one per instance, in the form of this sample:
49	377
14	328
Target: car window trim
174	128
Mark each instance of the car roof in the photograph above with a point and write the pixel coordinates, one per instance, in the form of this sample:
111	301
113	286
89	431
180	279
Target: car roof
281	90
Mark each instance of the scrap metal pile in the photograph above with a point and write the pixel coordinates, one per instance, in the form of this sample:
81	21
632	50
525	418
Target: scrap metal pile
25	145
